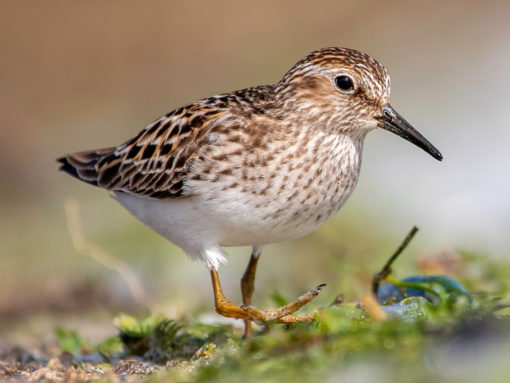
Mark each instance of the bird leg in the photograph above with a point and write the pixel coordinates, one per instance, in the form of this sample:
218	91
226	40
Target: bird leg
223	305
249	313
248	286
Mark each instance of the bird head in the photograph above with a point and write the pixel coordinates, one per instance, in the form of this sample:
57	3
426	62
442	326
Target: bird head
346	91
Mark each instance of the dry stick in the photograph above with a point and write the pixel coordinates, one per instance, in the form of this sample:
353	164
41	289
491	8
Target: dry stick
101	256
386	270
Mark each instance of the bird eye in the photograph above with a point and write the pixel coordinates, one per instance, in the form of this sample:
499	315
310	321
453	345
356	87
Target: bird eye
344	83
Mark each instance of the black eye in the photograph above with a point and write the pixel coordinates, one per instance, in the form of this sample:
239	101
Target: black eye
344	83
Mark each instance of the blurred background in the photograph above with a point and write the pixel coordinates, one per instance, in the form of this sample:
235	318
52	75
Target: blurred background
84	75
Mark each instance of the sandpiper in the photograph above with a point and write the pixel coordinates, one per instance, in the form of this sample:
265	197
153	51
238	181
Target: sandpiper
252	167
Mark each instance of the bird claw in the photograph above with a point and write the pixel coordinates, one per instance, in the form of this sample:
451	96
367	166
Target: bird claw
284	314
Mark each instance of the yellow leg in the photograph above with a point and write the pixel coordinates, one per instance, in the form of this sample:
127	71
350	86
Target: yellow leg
248	286
223	305
249	313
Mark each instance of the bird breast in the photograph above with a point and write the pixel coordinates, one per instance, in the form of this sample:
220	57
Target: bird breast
281	191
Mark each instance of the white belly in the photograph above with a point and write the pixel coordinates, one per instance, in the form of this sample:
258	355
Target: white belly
193	224
233	218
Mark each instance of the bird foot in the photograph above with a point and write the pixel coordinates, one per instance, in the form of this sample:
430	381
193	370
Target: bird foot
284	314
249	313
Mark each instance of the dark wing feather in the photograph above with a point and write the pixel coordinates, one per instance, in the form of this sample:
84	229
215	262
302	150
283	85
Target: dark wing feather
82	165
155	162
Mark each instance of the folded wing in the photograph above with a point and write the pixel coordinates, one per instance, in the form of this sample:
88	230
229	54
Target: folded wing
155	163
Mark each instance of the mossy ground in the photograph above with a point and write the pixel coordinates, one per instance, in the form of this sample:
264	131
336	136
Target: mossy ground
454	338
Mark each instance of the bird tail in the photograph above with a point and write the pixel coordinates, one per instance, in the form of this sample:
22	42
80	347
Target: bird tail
84	165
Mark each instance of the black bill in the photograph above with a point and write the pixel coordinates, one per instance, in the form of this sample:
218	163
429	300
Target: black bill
395	123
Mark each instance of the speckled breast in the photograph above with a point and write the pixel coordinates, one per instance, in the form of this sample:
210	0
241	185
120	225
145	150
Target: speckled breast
288	197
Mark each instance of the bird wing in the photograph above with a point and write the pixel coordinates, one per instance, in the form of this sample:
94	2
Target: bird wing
155	162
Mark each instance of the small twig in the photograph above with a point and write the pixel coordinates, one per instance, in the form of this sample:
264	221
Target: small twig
101	256
386	270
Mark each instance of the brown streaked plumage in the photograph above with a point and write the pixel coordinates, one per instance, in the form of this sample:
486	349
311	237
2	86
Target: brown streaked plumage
252	167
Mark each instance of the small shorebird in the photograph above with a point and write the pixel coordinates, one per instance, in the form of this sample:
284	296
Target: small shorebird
252	167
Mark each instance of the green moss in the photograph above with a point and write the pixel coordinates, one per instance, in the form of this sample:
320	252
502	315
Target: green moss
71	341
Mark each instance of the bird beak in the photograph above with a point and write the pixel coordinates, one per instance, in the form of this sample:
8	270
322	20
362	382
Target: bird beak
395	123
